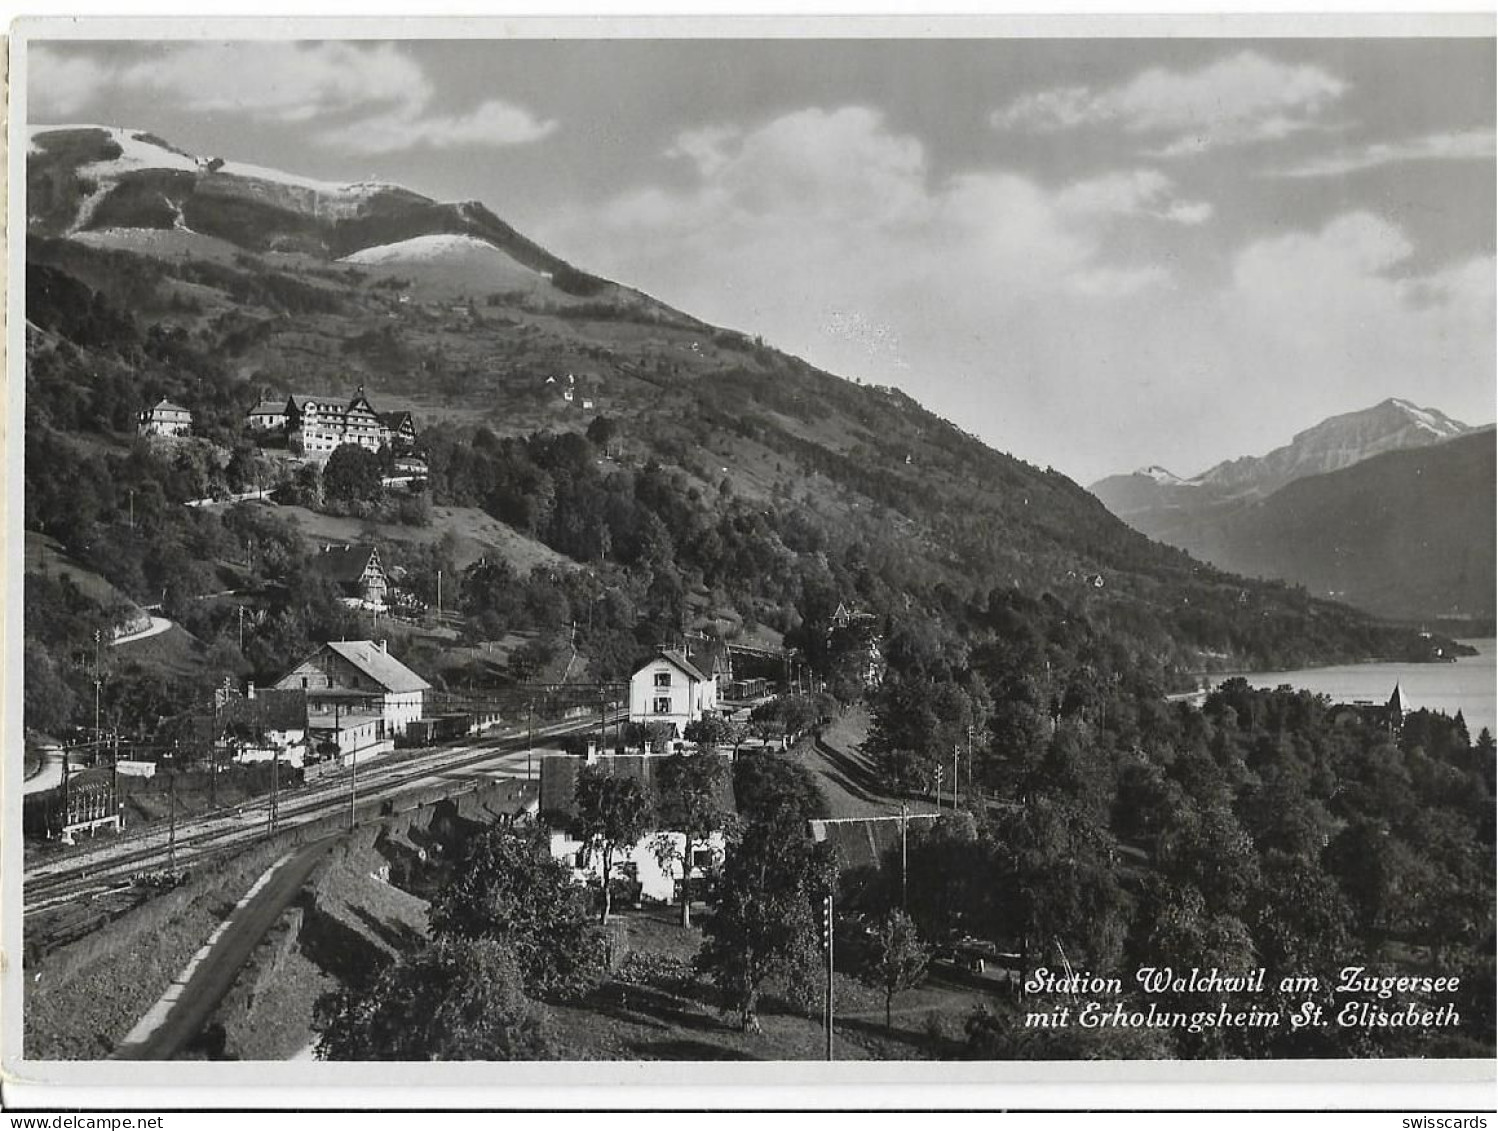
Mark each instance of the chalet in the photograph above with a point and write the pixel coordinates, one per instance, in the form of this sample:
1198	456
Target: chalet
658	874
358	692
268	416
357	572
669	688
361	424
165	418
397	431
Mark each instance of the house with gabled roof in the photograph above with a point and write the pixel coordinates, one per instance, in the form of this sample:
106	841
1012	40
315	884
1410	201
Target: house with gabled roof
668	688
268	416
349	680
165	418
398	431
357	571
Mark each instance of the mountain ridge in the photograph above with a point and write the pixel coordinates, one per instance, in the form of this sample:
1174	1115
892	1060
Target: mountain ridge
853	493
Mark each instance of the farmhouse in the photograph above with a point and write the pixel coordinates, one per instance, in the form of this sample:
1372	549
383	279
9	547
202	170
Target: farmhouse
358	693
669	688
165	418
647	863
357	572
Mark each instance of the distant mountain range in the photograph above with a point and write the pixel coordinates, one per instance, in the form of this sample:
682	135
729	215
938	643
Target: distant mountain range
1390	509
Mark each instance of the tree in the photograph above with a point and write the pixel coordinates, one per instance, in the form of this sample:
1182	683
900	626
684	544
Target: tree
508	888
764	920
455	999
612	813
352	474
708	732
896	959
692	788
772	785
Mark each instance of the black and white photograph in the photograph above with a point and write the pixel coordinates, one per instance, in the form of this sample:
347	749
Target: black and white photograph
936	552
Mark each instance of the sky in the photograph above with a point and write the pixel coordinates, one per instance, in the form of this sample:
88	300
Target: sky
1094	253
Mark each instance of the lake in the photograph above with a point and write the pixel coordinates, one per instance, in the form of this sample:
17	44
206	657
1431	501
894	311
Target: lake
1469	685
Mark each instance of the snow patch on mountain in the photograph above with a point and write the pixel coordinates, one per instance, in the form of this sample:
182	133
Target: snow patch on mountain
1163	477
140	151
1437	423
425	249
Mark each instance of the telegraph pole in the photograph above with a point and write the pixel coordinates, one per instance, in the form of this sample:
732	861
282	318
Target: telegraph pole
970	765
530	736
904	860
171	843
98	684
114	786
827	940
275	781
955	750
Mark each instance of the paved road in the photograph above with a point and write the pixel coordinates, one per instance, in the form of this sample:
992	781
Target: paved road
49	776
158	626
175	1021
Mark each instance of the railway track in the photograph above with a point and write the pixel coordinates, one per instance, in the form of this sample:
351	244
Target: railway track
105	867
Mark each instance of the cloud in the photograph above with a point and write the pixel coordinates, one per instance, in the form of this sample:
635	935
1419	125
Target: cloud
492	123
823	190
282	81
59	85
1137	192
1469	145
379	96
1004	302
1339	316
1235	100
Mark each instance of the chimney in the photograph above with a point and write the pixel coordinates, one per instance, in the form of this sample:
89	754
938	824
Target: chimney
381	643
249	690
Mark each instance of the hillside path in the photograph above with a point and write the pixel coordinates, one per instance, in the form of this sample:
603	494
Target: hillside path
188	1003
846	775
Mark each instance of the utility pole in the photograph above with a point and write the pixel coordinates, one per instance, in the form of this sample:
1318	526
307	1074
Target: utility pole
241	628
827	941
132	508
530	735
275	782
66	776
213	757
439	596
171	843
98	684
904	860
353	788
970	765
114	785
956	749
